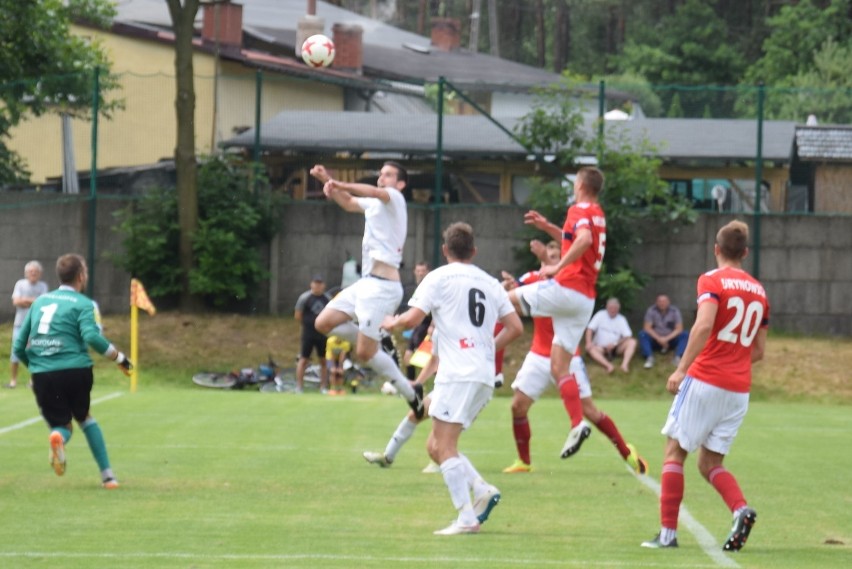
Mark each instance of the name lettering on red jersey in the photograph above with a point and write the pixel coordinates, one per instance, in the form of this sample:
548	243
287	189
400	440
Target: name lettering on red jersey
743	285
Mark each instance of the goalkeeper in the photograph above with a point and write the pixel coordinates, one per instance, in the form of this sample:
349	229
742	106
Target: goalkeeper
54	340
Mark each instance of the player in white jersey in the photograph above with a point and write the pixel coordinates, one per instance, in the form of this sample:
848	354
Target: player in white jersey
379	291
465	303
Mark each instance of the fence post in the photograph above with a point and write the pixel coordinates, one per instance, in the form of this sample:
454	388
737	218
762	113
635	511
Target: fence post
758	181
439	175
601	112
93	182
258	89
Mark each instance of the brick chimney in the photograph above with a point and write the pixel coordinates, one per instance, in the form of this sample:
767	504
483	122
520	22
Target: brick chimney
446	34
223	22
348	47
307	26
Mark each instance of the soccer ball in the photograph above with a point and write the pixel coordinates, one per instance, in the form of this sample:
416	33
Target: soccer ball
388	388
318	51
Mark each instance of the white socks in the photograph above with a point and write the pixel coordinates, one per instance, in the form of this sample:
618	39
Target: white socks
455	478
400	437
348	331
384	364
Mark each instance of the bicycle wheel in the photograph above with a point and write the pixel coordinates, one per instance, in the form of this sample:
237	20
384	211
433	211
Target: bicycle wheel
278	386
216	380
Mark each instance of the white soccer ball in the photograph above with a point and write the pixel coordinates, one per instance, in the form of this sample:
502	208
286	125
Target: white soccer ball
389	389
318	51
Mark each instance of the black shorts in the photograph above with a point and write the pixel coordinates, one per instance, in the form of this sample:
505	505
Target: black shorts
63	394
313	341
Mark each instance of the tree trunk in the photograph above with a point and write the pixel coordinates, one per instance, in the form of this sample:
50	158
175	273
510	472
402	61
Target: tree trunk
493	28
475	18
561	36
185	165
540	32
421	17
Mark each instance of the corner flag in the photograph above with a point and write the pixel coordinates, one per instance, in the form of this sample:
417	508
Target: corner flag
138	299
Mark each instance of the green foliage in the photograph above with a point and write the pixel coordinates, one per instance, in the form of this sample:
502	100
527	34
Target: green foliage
624	284
689	47
824	90
796	33
237	214
634	196
640	90
554	125
150	232
44	68
675	109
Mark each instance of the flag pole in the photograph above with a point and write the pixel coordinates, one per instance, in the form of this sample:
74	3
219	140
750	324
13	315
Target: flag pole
134	346
138	299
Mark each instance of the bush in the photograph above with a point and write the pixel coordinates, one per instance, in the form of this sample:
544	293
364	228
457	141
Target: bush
237	215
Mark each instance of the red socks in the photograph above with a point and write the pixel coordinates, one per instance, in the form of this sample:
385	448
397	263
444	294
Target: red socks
608	428
521	428
671	494
727	487
571	398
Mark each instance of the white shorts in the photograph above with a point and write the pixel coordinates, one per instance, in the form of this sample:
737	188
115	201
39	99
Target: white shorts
705	415
367	302
459	402
569	310
534	376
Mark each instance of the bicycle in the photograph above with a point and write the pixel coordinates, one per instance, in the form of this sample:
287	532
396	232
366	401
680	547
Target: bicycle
238	378
355	377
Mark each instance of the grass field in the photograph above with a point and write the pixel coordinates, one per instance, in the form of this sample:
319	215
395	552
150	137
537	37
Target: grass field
247	479
252	480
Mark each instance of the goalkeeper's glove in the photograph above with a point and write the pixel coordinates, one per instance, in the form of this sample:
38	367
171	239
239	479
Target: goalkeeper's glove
123	364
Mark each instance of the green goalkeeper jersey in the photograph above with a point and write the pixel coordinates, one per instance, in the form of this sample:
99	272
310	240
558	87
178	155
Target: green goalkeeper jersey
58	331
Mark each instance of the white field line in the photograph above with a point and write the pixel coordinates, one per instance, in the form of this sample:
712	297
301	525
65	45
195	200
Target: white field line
665	561
39	419
702	536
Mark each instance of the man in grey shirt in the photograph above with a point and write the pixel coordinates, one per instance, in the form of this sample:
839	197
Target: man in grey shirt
662	331
25	292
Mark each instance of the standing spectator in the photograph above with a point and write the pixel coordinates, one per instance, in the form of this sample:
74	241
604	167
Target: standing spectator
609	335
54	344
308	306
711	386
663	329
378	292
24	294
465	303
569	298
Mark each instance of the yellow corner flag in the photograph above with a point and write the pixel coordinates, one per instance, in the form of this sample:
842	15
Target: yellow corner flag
423	353
138	299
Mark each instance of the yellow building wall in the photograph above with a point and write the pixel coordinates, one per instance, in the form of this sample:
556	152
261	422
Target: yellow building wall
144	130
236	103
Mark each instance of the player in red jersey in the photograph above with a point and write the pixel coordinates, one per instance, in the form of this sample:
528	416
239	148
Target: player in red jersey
534	377
569	298
712	383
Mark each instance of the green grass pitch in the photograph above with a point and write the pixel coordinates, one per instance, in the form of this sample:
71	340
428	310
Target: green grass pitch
253	480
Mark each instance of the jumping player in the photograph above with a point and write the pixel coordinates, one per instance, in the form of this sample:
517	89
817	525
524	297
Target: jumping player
569	298
534	377
379	291
711	386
